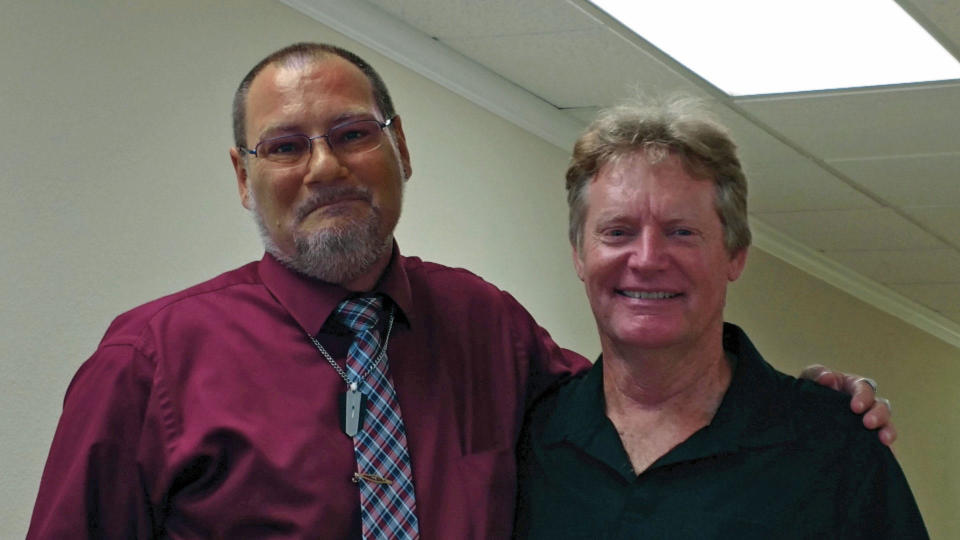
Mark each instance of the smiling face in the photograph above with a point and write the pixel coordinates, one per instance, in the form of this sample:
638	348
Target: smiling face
332	216
652	257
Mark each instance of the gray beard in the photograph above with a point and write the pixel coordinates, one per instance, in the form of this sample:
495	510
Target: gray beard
335	255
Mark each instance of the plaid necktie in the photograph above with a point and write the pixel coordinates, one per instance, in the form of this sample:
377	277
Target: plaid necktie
387	510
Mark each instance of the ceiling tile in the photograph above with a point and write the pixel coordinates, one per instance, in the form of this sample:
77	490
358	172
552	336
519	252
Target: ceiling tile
941	297
942	220
903	267
800	185
447	19
908	180
782	179
574	69
847	230
904	120
583	114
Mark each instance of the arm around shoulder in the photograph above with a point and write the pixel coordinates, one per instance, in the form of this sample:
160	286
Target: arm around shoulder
548	362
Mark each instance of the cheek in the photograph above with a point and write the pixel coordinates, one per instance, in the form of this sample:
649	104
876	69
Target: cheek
277	192
389	197
597	274
602	261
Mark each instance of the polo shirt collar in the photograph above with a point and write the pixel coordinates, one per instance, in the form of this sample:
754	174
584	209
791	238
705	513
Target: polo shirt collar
311	301
750	414
580	419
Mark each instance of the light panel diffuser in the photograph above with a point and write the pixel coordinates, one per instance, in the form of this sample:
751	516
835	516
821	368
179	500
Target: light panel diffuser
747	47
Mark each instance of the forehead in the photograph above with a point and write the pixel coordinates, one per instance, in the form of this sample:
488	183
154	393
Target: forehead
634	187
655	174
305	90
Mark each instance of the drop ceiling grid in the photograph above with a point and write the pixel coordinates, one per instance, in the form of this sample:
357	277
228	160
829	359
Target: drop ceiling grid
872	139
449	19
903	181
902	147
903	120
945	220
566	69
781	178
903	267
541	56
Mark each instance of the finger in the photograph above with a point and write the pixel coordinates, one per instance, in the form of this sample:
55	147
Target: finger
888	435
830	379
879	414
866	380
863	391
813	372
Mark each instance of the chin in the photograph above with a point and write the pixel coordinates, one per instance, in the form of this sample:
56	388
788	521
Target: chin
651	335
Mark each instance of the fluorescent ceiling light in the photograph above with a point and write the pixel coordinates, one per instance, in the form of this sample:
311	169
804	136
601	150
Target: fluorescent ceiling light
749	47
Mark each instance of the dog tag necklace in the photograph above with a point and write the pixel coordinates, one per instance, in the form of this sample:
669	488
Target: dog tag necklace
353	401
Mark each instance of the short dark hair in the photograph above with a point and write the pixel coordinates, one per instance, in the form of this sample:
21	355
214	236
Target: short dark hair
675	126
305	52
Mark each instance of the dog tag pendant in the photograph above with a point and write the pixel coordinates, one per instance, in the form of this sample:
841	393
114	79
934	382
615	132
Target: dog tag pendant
352	405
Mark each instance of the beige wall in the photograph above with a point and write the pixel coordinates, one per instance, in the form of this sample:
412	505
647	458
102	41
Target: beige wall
117	189
796	320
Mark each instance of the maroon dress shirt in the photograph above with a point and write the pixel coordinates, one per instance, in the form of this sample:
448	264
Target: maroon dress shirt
209	413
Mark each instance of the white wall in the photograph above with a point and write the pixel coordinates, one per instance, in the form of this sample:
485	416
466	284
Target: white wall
117	189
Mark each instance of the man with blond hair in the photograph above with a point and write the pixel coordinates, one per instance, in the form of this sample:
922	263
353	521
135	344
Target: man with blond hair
681	429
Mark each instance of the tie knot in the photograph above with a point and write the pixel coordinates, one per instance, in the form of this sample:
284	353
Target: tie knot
360	313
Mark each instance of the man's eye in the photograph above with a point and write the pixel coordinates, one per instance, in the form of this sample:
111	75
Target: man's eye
682	232
351	134
285	147
615	233
354	134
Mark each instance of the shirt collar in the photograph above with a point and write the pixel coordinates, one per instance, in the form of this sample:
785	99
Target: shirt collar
580	419
311	301
753	413
750	414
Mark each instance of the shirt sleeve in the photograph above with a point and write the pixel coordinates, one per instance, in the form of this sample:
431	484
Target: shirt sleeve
92	485
549	364
883	505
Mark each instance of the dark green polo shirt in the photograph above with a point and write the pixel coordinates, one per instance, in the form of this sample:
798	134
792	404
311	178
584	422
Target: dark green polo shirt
782	458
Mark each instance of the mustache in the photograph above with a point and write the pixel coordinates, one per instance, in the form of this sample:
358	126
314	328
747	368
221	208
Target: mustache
331	195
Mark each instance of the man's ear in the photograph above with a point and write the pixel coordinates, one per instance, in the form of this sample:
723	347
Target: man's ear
577	262
738	261
397	127
240	169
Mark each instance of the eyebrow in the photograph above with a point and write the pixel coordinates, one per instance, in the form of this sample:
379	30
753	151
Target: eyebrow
606	218
279	130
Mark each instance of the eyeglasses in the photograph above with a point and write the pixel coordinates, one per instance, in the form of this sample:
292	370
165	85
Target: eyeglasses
346	139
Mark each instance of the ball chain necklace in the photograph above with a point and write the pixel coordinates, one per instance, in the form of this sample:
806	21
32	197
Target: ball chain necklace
353	401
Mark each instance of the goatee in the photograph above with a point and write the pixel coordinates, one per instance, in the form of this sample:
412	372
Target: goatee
336	254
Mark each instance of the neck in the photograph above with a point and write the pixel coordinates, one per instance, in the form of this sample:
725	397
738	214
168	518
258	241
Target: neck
655	379
369	279
658	399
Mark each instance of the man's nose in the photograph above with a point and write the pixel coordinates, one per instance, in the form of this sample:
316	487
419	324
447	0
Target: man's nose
323	164
648	250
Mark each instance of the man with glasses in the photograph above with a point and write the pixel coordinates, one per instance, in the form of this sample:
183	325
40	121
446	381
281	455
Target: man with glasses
334	388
